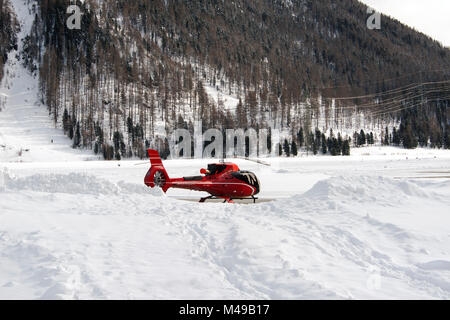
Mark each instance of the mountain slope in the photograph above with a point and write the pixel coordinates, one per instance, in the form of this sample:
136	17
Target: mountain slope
8	31
27	134
139	68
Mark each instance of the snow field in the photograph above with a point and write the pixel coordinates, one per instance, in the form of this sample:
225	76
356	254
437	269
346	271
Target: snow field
78	235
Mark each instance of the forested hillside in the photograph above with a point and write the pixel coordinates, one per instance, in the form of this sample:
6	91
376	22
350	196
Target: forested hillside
137	68
8	30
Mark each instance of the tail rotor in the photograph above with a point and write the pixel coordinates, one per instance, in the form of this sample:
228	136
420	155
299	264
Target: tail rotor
157	175
159	179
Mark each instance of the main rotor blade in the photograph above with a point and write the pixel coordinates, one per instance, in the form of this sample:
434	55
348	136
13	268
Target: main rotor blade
141	163
254	160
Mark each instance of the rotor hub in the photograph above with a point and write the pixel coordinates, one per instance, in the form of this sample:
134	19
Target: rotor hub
159	179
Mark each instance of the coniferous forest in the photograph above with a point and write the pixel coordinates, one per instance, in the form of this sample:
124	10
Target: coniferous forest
8	30
311	68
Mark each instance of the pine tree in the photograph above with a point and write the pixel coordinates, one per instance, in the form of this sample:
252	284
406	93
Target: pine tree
301	138
66	120
408	139
105	152
396	137
286	148
313	143
117	155
241	115
362	138
269	140
110	152
346	148
324	144
180	122
447	137
330	141
71	131
130	129
77	138
123	146
386	137
165	152
436	138
294	148
333	145
310	142
317	138
356	139
117	137
247	146
339	144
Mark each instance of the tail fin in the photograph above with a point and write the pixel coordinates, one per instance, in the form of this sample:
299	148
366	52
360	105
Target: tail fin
157	175
155	159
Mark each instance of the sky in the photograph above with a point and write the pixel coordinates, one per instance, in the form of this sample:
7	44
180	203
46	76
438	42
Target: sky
431	17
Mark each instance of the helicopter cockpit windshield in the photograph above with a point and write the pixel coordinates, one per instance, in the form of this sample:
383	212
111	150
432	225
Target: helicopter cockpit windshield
247	177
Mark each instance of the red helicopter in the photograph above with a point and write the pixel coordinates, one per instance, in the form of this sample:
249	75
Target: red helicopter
221	180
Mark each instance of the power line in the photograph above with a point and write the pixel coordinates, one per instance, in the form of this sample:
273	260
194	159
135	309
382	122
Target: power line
395	99
395	109
382	93
390	110
385	103
385	80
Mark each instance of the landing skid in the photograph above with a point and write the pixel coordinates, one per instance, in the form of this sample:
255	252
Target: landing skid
229	200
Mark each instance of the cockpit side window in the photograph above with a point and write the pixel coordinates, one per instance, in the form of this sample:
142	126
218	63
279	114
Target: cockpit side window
215	169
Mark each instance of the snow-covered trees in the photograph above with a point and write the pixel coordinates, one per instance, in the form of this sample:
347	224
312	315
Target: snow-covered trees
136	66
8	33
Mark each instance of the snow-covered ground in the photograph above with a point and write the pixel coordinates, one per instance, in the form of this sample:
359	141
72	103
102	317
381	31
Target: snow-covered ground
359	227
373	225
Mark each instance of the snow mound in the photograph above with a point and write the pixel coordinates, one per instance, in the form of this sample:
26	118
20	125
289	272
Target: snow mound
364	189
435	265
71	183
